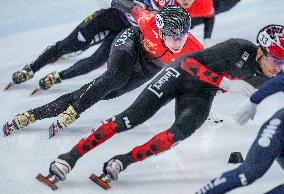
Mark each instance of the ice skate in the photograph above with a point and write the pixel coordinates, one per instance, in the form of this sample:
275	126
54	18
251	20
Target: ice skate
111	171
64	119
9	85
103	180
49	180
20	121
20	76
57	172
49	80
23	75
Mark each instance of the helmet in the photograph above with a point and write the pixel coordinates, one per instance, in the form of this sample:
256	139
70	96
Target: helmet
173	20
271	40
158	4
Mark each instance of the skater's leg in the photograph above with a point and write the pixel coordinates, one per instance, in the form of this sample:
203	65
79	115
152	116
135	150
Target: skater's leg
277	190
54	108
264	150
91	63
191	113
83	36
120	67
53	53
142	109
119	70
48	110
81	67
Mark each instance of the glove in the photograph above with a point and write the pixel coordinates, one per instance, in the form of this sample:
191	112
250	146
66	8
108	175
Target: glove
237	86
124	5
246	112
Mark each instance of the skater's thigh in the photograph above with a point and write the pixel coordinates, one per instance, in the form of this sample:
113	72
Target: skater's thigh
125	42
136	80
159	92
73	43
192	110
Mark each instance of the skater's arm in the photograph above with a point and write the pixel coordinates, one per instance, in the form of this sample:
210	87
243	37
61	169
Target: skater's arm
270	87
127	6
142	16
213	65
201	72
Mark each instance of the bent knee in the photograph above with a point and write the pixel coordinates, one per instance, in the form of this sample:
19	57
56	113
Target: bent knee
180	133
250	174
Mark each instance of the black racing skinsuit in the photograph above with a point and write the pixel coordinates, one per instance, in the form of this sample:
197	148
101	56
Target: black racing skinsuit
100	27
235	58
128	67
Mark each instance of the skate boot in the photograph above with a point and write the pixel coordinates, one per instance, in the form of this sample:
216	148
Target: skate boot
23	75
49	80
64	119
19	122
112	168
59	168
57	172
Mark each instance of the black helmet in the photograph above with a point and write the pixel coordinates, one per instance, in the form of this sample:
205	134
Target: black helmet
173	20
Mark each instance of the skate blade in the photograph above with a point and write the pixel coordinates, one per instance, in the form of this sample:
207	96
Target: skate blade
45	180
98	180
53	129
215	121
7	128
36	91
8	86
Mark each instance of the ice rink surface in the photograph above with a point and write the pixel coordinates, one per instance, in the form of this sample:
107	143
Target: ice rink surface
27	27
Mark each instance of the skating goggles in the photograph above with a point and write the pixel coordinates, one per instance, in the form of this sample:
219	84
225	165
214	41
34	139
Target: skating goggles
275	61
176	38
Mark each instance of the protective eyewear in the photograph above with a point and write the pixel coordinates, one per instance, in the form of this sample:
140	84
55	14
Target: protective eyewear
275	61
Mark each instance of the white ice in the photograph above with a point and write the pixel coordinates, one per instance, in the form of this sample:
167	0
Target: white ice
27	27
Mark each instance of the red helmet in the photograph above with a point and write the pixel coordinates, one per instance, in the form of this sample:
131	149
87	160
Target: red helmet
271	40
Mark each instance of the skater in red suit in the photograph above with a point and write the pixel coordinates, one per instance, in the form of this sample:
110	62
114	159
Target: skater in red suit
137	54
236	65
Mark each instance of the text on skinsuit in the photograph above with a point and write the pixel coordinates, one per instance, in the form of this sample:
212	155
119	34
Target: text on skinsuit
268	132
156	87
123	37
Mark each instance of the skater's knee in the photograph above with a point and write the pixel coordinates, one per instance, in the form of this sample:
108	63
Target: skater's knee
185	128
179	133
250	173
